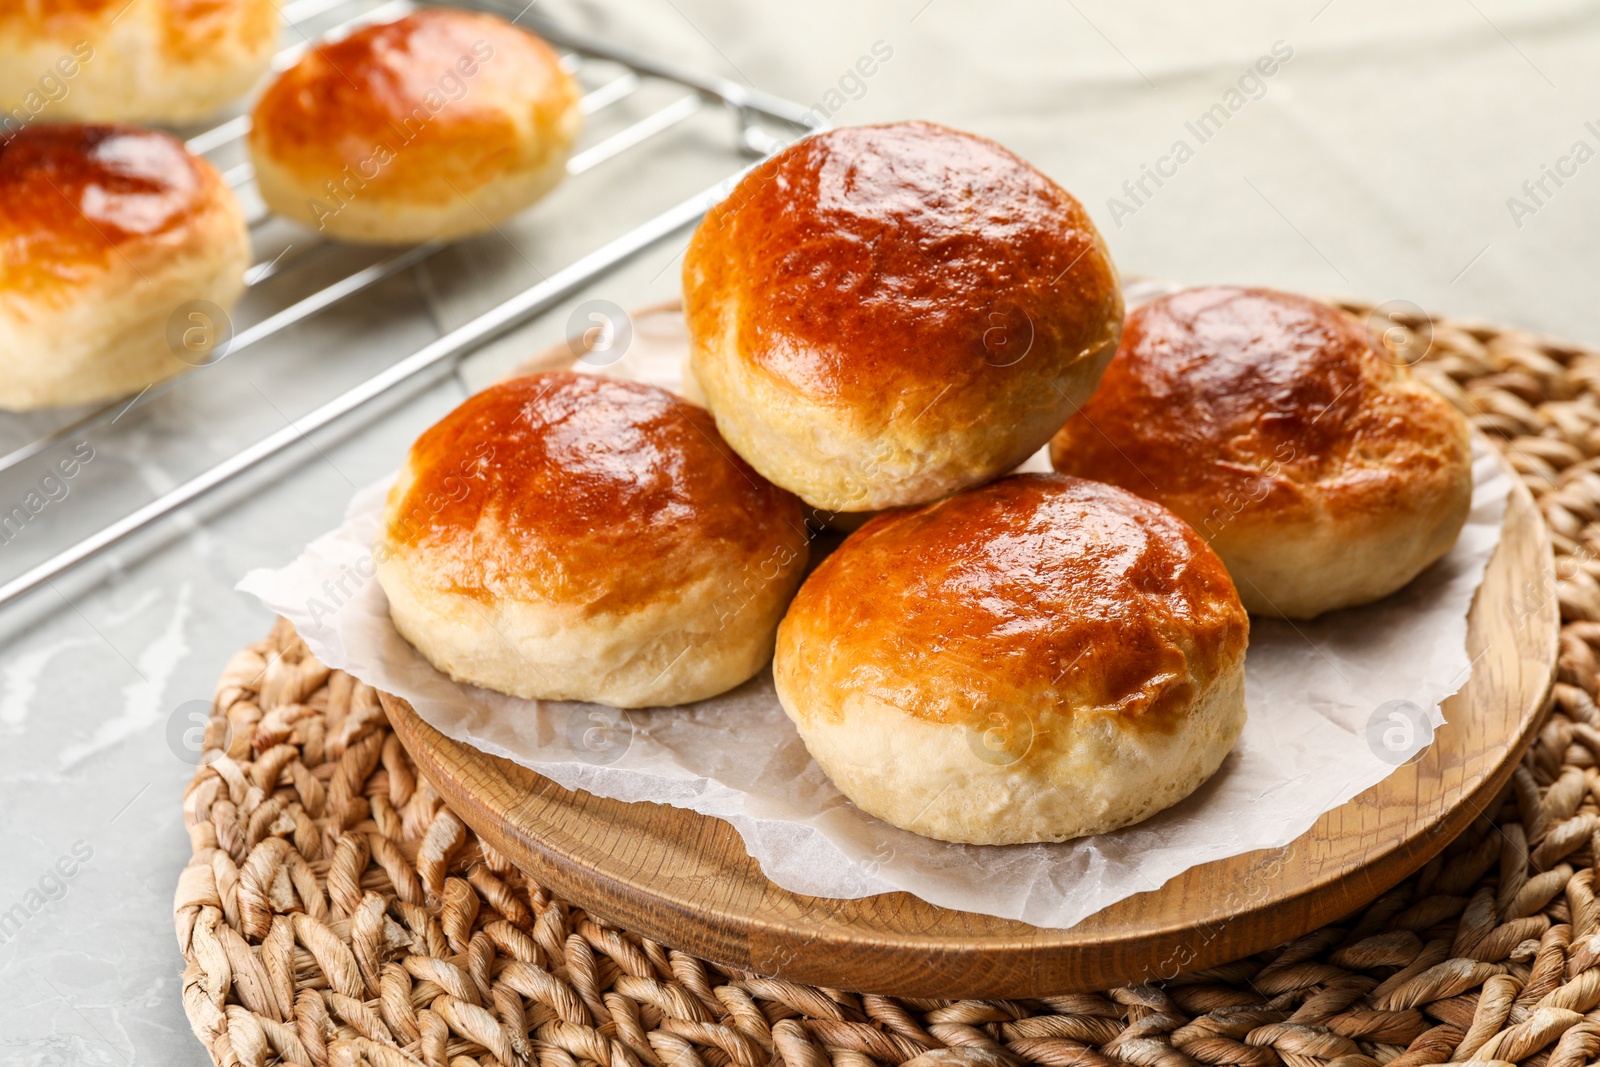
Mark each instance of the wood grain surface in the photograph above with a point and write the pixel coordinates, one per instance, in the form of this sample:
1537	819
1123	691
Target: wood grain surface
685	879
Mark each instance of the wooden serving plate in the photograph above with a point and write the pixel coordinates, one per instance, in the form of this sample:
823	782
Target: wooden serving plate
685	879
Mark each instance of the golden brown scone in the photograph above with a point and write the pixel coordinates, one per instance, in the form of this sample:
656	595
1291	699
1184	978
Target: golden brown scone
441	124
1323	475
167	61
572	537
107	235
882	315
1037	659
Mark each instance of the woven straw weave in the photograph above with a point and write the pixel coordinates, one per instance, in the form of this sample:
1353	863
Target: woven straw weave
336	912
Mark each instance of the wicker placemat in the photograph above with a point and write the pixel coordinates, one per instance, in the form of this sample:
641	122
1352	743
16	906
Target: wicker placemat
336	912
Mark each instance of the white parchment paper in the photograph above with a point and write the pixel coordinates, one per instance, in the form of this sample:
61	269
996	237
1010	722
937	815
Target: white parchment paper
1334	706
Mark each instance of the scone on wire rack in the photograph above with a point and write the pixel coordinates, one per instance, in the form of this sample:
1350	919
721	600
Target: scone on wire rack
120	254
1322	472
162	61
437	125
568	536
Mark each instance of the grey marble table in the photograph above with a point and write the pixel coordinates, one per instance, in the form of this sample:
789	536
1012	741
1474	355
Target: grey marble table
1394	152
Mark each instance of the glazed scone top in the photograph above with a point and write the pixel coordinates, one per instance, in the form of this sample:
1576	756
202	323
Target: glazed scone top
1035	590
582	490
877	266
73	198
1223	394
425	107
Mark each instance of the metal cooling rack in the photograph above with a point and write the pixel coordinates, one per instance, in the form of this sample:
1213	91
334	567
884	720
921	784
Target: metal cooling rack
609	73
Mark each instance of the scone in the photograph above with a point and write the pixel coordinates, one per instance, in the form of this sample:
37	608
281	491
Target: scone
119	252
883	315
572	537
441	124
1322	474
1037	659
166	61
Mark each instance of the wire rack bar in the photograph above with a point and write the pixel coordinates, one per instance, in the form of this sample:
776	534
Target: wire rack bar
636	134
